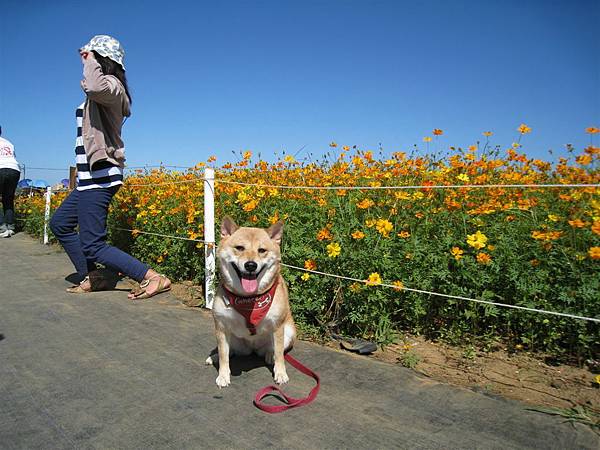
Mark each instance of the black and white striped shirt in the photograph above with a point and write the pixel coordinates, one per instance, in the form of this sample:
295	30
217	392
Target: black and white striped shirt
104	174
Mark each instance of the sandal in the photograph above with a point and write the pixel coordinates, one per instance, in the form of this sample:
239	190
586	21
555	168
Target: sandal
98	280
141	293
78	289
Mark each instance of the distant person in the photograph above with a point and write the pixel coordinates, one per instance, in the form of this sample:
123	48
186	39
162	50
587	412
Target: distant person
100	158
9	178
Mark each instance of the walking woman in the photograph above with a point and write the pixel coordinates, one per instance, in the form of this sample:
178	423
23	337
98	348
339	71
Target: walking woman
9	178
100	159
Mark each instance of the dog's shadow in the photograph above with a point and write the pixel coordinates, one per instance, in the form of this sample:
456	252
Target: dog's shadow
239	364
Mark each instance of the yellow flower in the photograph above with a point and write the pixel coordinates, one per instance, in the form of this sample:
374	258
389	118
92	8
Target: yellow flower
373	279
487	133
333	250
483	258
427	139
211	159
404	234
524	129
305	276
594	252
456	252
472	148
464	177
247	154
398	285
369	223
553	218
384	227
477	240
355	287
289	159
358	234
310	264
333	145
597	379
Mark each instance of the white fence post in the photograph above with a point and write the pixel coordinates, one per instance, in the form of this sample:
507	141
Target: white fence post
209	237
47	213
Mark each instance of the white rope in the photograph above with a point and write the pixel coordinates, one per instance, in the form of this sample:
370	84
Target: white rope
454	186
161	235
419	291
457	297
349	188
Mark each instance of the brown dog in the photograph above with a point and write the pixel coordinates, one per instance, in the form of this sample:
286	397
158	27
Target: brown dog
251	308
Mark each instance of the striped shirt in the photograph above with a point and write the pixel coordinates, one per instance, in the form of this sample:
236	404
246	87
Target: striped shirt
103	175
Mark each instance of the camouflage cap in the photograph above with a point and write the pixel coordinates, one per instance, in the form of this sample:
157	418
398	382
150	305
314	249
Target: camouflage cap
106	46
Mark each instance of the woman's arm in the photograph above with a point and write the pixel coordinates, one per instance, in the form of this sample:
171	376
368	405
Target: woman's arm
100	88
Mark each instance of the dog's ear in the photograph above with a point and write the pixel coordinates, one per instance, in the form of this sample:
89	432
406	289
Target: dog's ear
228	227
275	232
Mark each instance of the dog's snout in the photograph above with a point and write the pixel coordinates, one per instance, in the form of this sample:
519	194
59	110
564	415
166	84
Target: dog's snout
250	266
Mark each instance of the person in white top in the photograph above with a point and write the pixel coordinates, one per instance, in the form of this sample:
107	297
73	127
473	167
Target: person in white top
9	178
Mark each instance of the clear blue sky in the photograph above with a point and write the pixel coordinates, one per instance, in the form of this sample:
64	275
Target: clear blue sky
216	77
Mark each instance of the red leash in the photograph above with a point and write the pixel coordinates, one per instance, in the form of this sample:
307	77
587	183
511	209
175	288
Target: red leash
290	402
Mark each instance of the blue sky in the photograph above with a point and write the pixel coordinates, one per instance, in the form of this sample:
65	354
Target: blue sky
212	78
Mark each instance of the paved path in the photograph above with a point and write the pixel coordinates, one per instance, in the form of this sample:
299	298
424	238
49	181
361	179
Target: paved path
98	371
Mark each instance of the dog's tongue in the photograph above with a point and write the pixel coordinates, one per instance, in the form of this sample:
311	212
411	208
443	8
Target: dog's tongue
250	286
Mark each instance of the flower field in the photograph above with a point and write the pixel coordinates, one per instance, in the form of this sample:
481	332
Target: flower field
532	247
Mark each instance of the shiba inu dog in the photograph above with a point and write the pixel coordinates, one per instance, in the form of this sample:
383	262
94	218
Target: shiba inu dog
251	308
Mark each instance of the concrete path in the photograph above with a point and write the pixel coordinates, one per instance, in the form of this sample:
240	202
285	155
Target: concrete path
99	371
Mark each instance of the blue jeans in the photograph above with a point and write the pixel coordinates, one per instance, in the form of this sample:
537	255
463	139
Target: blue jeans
89	210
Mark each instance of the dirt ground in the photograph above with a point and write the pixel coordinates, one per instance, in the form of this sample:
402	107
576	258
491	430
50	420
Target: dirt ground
520	376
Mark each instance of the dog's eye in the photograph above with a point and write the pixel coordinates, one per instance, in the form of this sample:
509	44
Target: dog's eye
262	251
239	248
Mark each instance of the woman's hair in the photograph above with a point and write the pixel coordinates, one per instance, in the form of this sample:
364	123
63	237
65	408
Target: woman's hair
110	67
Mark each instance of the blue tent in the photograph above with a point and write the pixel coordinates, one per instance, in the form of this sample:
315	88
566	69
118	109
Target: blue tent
40	184
26	182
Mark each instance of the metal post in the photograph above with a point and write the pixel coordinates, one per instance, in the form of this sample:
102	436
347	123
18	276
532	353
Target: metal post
47	214
209	237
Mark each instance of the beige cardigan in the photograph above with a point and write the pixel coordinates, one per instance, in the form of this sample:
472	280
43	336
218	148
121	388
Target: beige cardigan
106	106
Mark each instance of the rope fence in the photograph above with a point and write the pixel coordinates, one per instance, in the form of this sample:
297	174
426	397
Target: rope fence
209	240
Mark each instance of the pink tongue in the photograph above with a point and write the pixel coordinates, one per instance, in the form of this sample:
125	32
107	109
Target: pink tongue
250	286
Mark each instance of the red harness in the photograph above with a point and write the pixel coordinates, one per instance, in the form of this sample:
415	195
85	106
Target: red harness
254	309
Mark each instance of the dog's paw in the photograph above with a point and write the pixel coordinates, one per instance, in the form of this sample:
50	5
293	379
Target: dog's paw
223	380
281	377
209	361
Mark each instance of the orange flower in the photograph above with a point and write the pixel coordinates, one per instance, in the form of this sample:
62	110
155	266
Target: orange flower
487	133
358	235
365	203
483	258
524	129
324	235
594	252
596	227
310	264
592	130
398	285
437	132
577	223
404	234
